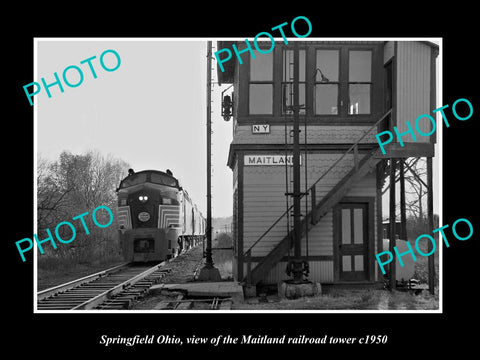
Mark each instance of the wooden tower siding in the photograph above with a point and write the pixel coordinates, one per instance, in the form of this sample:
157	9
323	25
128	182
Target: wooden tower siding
235	218
264	196
320	134
320	242
414	94
259	190
413	87
264	202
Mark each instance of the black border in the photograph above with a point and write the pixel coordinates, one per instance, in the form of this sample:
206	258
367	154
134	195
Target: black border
80	333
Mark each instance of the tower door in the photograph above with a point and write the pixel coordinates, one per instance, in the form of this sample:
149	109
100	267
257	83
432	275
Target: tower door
352	241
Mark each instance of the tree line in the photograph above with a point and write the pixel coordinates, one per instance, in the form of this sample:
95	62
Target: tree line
72	185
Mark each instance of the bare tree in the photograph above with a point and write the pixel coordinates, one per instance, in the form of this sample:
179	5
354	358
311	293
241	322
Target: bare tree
415	177
73	185
415	187
52	196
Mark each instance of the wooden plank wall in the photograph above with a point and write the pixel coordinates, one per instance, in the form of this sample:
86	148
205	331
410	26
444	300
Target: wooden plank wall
325	134
320	239
264	199
264	196
413	87
320	271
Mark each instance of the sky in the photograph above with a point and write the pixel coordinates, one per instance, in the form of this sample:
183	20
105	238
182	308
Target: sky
150	112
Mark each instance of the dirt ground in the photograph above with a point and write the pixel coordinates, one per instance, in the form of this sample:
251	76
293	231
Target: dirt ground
346	300
184	268
341	299
337	300
48	278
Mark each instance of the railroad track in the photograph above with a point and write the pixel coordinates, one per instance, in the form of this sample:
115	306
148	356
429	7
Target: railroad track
182	303
111	289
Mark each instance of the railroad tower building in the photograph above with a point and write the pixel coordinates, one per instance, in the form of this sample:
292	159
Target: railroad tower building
348	92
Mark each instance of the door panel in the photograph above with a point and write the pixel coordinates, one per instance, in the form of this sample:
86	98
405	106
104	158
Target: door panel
353	246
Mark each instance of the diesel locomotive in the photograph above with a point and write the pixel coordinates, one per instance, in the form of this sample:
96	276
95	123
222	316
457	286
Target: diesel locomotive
157	219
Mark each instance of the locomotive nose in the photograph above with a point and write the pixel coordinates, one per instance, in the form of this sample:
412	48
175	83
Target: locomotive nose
142	205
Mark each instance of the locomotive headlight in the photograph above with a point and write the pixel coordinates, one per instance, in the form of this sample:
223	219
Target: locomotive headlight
143	198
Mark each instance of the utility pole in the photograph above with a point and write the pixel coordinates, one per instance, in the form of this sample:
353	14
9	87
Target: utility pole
209	272
297	265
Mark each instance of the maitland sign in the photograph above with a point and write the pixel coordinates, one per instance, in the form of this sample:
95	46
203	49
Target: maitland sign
271	160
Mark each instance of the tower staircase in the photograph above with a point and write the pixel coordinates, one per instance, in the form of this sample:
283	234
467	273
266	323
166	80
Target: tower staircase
318	209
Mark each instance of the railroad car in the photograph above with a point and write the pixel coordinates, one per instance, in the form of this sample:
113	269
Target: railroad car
157	218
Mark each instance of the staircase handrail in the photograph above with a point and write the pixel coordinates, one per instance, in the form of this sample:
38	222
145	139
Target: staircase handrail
355	145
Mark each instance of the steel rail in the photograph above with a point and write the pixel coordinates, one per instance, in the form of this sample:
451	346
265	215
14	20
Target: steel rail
117	289
115	285
214	303
74	283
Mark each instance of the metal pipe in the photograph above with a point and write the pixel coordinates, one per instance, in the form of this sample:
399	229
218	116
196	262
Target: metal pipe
296	154
297	224
208	251
209	272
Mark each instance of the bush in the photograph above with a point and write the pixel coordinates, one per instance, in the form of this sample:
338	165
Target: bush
223	240
74	185
51	263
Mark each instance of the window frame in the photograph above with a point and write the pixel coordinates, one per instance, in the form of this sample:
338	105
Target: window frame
344	82
347	95
261	82
338	82
342	118
283	82
146	177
